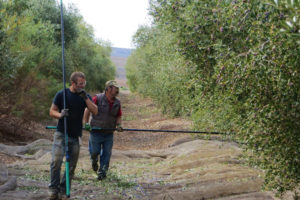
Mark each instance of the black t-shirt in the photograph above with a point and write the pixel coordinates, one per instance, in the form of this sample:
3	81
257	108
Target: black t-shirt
76	106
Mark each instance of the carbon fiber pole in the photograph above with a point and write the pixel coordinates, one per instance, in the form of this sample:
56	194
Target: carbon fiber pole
64	99
149	130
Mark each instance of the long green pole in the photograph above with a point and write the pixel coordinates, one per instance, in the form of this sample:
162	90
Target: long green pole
64	99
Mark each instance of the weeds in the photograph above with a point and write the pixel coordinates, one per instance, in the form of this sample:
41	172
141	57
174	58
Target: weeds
114	184
129	118
33	175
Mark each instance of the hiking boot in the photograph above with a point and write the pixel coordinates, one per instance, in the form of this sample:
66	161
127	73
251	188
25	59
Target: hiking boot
63	197
101	176
95	165
53	194
62	194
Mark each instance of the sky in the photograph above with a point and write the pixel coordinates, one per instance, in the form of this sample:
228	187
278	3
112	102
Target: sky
115	21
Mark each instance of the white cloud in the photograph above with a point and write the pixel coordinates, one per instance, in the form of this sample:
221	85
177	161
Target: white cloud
114	20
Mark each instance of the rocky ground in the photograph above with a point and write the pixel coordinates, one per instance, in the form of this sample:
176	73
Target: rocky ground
144	165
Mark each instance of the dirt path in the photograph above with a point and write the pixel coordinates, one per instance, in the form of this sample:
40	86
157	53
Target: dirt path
143	166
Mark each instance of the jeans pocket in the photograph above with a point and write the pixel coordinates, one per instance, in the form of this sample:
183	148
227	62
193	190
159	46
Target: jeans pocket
58	146
58	138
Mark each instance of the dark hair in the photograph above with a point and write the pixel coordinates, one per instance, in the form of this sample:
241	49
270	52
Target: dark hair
75	75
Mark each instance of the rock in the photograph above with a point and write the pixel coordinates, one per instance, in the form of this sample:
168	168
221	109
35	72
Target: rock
10	184
3	174
181	140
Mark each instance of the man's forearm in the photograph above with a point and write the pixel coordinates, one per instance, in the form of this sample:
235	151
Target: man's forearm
93	108
86	116
119	120
53	112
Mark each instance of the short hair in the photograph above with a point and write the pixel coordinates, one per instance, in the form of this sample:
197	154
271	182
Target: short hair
75	75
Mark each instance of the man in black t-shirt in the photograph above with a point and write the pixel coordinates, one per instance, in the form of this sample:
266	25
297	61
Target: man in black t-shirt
76	102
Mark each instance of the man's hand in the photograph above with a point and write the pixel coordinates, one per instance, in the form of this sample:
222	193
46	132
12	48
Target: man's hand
119	128
83	94
64	113
87	127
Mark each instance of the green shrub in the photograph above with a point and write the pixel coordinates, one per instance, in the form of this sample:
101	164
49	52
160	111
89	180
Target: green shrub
30	55
233	66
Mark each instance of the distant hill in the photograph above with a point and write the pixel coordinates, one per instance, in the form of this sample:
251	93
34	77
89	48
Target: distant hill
120	52
120	65
119	58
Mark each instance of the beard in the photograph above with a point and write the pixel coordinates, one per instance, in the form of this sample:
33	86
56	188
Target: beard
78	90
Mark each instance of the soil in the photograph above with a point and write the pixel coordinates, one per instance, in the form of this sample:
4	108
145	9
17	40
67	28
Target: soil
144	165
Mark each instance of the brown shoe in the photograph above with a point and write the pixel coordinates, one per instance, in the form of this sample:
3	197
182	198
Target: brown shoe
53	194
63	197
62	194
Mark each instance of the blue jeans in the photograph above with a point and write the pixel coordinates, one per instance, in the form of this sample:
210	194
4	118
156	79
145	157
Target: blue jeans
101	144
58	152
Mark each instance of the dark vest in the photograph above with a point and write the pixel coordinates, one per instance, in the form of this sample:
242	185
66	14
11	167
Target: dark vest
106	118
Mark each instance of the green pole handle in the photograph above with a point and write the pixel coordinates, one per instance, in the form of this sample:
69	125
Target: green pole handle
51	127
67	180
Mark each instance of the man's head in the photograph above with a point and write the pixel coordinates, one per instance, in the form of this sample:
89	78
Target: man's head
112	88
77	81
111	83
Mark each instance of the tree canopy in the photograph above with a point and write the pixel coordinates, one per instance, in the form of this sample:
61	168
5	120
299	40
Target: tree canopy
30	54
232	66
